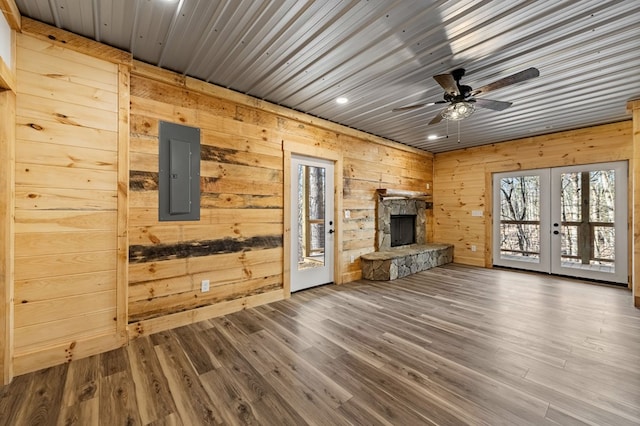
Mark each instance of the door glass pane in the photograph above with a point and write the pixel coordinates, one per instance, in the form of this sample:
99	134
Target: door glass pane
570	196
520	218
588	211
601	218
311	216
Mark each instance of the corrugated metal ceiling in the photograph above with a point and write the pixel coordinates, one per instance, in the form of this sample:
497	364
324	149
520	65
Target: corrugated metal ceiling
382	54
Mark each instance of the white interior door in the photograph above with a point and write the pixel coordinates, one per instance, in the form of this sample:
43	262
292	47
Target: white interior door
312	222
566	221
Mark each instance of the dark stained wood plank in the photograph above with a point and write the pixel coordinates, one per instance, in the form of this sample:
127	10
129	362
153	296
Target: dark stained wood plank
118	400
12	398
153	396
112	362
192	402
82	381
42	400
81	413
196	350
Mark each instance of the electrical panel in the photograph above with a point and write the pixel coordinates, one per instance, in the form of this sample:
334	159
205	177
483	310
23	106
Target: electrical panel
179	174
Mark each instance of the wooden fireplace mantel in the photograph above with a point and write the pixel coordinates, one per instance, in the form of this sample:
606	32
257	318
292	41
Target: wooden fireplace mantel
403	194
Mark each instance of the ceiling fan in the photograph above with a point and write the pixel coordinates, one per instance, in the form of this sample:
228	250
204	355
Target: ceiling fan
462	99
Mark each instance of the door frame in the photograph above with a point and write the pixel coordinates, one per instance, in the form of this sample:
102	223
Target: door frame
290	148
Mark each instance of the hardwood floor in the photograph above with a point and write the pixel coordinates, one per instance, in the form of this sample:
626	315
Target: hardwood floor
452	345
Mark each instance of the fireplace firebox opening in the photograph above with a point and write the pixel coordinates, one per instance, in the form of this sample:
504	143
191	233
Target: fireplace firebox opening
403	230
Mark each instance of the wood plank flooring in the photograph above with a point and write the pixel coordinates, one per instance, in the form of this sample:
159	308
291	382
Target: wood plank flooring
449	346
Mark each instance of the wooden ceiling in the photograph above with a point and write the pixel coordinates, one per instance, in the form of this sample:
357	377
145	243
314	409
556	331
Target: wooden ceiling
382	54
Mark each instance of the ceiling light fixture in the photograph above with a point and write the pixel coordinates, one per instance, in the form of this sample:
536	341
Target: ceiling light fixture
342	100
458	111
432	137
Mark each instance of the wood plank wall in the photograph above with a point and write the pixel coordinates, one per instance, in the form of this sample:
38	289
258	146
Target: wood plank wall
88	245
462	181
238	243
66	204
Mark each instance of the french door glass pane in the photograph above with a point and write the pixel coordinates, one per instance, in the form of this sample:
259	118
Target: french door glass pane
588	211
520	218
311	216
570	197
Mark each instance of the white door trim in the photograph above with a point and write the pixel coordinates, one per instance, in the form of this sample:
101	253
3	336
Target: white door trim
295	148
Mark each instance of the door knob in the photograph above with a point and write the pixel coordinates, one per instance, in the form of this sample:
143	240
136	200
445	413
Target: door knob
556	232
331	231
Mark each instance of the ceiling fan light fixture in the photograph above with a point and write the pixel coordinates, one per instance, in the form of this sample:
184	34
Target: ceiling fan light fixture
458	111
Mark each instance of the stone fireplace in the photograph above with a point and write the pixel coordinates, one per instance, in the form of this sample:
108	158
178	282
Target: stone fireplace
399	207
396	258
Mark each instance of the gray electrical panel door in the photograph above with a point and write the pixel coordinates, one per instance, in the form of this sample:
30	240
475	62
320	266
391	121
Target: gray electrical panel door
179	177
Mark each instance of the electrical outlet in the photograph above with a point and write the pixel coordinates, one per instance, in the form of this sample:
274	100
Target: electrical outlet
347	214
204	286
353	258
473	248
428	186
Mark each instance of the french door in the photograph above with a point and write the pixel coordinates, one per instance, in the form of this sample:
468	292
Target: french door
566	221
312	226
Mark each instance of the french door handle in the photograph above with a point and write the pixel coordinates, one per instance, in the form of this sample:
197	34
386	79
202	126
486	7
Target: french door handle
331	231
556	232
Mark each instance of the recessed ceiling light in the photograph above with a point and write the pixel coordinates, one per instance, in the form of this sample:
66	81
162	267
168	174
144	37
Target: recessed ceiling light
342	100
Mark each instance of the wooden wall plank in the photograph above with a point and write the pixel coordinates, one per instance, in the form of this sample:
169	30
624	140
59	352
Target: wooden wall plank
44	198
122	229
31	360
49	86
65	156
41	289
44	243
70	329
64	113
11	13
66	64
51	265
63	220
28	313
7	202
634	170
169	321
146	309
28	128
80	44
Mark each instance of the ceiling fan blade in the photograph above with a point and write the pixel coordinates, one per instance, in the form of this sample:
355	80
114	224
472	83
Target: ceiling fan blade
507	81
494	105
410	107
448	83
436	119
